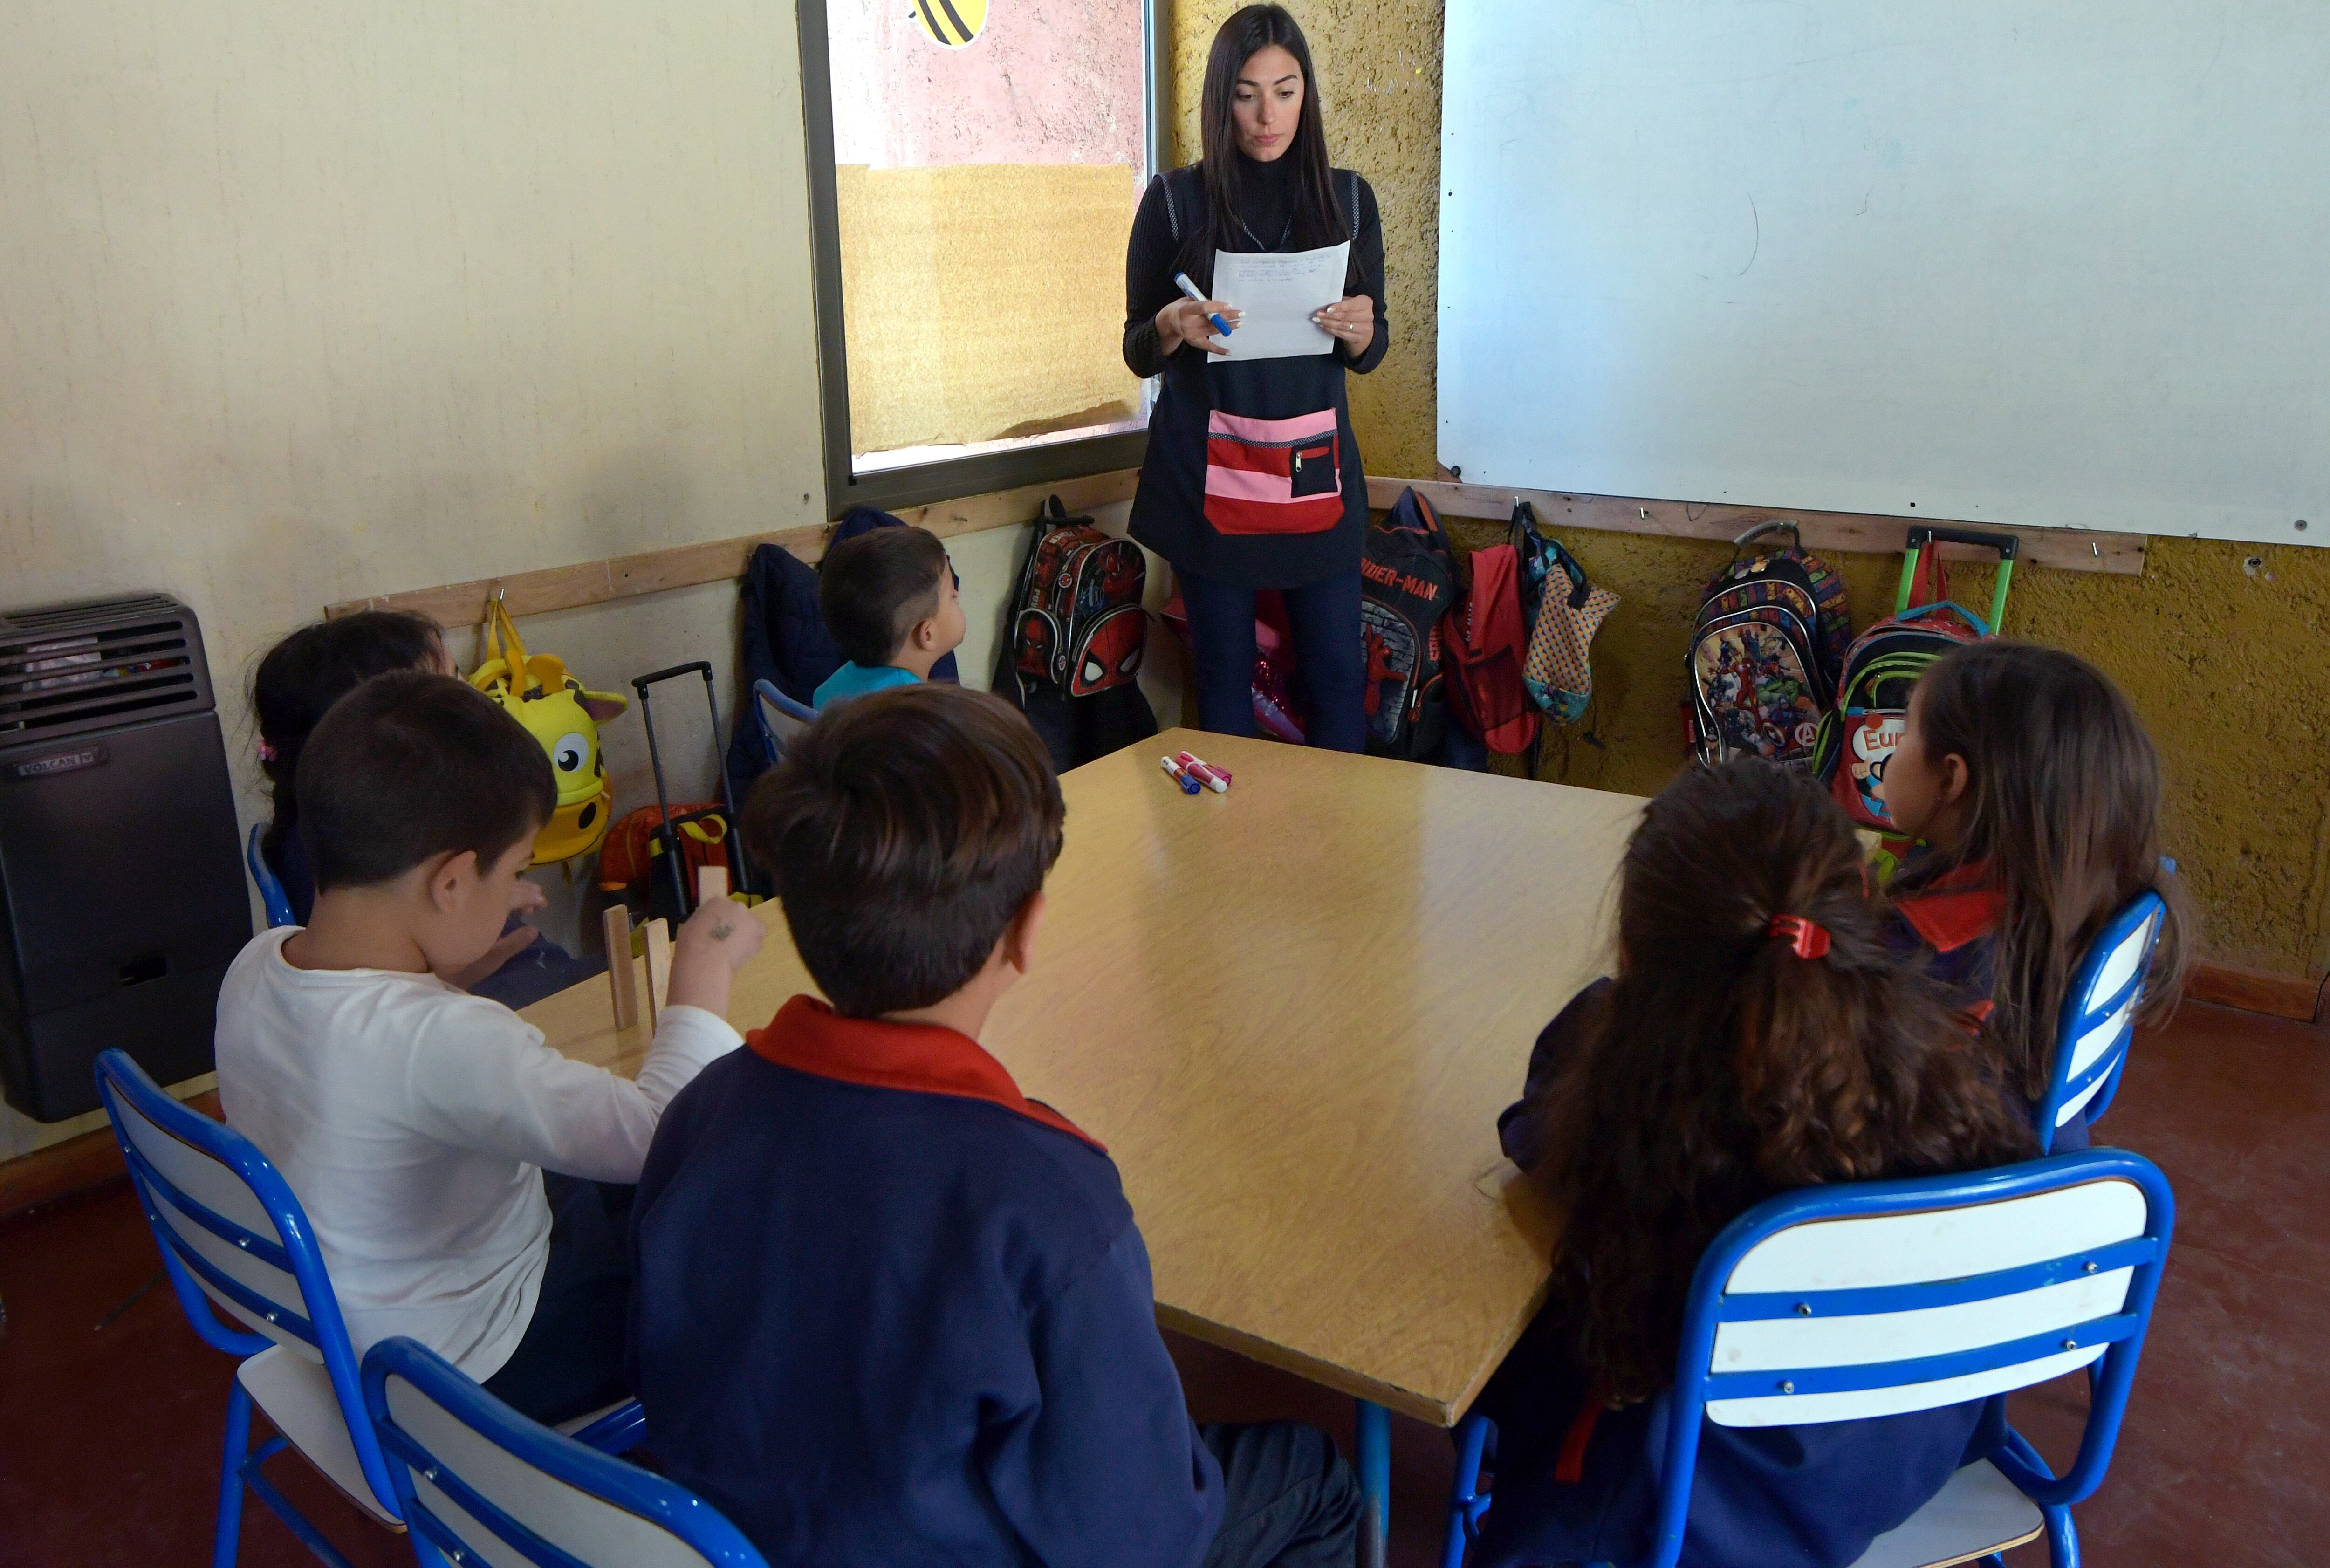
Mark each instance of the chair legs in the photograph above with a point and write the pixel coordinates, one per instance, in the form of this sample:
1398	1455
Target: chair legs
2062	1539
239	1471
1465	1505
230	1510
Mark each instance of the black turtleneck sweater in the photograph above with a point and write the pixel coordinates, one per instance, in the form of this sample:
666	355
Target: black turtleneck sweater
1265	205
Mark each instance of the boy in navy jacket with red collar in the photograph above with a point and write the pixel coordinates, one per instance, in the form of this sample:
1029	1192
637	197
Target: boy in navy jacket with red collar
888	1309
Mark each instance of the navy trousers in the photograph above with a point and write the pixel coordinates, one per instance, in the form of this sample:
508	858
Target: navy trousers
571	1361
1330	660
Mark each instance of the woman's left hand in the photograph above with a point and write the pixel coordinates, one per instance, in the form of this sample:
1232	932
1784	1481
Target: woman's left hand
1351	321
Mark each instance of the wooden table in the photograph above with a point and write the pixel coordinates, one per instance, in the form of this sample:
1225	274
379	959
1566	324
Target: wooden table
1293	1013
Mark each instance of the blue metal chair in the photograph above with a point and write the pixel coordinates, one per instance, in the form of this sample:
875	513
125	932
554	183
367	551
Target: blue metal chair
480	1483
780	718
1843	1302
237	1244
271	890
2099	1017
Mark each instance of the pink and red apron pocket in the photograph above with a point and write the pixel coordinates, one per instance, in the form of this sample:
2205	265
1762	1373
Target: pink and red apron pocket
1274	476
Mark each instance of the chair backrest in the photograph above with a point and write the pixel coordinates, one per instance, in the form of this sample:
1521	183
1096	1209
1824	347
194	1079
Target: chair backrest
478	1482
271	895
2098	1016
1844	1302
233	1238
781	718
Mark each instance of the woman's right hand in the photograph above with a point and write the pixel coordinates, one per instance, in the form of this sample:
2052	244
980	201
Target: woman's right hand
1185	321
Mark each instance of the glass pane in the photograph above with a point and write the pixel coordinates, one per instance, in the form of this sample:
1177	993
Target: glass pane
986	192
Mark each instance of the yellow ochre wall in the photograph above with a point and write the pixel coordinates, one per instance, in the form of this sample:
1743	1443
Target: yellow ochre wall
2223	659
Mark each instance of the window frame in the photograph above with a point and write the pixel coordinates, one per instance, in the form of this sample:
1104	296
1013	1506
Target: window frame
916	484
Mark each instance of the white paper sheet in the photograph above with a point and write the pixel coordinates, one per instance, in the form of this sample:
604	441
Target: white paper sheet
1279	292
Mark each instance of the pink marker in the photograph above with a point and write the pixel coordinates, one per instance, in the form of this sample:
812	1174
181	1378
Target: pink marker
1173	772
1215	779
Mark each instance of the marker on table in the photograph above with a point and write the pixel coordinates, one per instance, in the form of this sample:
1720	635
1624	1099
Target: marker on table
1205	773
1192	290
1173	771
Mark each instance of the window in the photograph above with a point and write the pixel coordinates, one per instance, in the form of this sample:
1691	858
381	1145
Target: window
974	168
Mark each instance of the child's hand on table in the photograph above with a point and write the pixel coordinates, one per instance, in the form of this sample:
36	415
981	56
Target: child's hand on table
716	941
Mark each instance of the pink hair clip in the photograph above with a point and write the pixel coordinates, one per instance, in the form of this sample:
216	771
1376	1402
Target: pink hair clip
266	752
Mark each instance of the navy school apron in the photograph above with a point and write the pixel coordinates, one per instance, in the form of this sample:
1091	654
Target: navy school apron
1252	477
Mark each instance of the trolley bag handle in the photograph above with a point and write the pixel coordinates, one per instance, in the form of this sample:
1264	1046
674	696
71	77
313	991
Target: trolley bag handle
670	824
1923	534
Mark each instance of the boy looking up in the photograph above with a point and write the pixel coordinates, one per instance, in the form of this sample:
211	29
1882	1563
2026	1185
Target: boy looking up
886	1309
889	598
414	1122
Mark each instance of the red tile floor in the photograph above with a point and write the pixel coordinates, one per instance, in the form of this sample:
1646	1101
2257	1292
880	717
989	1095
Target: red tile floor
108	1436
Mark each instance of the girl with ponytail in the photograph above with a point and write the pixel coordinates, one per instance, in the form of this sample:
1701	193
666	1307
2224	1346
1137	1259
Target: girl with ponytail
1760	1035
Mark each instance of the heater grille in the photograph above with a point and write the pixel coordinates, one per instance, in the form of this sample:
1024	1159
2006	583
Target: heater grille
71	667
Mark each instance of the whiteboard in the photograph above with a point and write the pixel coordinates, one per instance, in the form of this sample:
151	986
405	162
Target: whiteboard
2064	262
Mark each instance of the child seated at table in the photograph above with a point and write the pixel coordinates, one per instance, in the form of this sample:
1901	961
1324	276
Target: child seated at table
890	599
2037	792
295	685
1759	1036
888	1309
414	1122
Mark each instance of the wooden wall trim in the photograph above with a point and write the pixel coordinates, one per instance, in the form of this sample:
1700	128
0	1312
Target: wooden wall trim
2069	549
2258	991
74	1166
688	565
592	582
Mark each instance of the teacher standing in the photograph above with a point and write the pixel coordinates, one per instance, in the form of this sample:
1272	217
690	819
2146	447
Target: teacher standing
1253	479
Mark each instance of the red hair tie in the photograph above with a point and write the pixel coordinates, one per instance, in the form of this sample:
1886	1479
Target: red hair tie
1804	939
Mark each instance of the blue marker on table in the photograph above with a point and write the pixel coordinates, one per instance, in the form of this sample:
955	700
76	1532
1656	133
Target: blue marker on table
1192	290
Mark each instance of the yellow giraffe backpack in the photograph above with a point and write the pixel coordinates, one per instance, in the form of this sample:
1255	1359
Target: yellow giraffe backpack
564	718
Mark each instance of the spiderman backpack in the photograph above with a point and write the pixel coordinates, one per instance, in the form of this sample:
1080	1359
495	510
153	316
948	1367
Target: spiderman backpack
1407	587
1071	654
1872	704
1765	654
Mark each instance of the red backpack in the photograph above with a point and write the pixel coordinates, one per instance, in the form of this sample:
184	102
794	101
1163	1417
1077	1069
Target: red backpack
1486	641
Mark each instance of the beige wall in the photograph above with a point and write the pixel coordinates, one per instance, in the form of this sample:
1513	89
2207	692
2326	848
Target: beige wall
305	301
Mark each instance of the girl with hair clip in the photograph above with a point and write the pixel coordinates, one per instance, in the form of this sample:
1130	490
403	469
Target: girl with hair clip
295	685
2033	783
1759	1036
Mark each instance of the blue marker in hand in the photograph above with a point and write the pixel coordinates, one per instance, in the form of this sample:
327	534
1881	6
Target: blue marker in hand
1192	290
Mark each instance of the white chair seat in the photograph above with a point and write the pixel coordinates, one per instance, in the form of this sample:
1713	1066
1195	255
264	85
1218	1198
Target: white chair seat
295	1393
1978	1512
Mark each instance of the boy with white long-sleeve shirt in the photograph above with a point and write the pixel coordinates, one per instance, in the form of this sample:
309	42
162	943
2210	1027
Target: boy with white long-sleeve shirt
415	1122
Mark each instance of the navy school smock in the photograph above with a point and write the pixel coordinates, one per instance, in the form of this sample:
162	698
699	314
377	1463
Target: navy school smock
1577	1481
886	1310
1951	926
1252	477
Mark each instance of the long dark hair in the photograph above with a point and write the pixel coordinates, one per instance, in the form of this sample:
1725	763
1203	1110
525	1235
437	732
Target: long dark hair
304	674
1725	1067
2063	794
1318	219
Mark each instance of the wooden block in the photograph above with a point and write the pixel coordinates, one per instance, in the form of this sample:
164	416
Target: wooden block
658	969
621	978
711	882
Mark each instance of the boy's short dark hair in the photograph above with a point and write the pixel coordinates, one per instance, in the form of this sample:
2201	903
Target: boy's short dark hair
873	589
904	830
412	765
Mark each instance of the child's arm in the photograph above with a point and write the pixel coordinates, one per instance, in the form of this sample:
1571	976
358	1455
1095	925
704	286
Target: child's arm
482	1078
1106	1466
1558	1046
